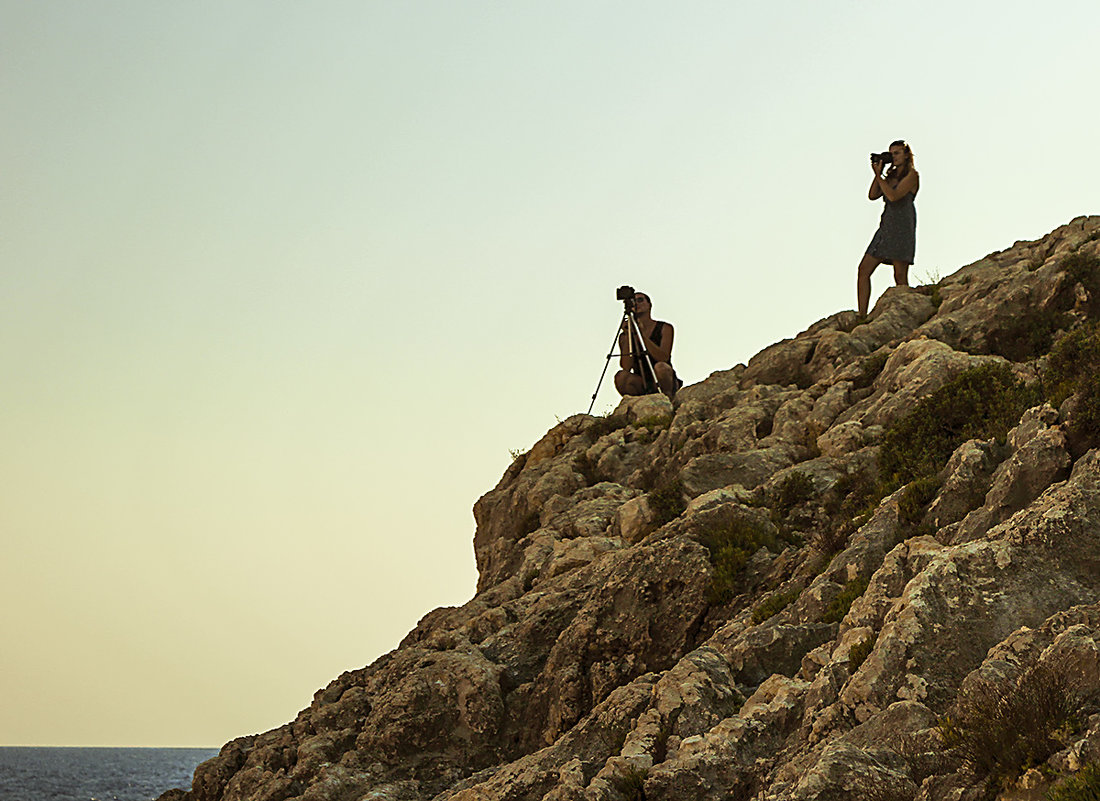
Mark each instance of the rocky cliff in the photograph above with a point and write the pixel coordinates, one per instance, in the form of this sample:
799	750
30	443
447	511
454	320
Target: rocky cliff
866	565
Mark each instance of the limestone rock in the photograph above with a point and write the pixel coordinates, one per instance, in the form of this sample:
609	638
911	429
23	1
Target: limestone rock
604	654
969	472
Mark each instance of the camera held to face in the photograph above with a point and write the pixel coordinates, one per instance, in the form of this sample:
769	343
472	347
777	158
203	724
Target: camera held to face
885	158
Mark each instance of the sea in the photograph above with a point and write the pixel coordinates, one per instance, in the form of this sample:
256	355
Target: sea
96	774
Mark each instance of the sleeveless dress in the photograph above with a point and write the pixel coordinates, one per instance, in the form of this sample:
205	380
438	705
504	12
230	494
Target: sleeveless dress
896	237
657	334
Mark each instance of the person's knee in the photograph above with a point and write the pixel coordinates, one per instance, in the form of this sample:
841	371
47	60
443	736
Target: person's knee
664	371
625	382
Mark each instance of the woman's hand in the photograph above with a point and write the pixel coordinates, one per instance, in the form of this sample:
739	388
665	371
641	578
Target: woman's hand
876	166
908	184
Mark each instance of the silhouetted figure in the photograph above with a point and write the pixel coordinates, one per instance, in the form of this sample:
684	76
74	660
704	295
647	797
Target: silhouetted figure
895	241
657	341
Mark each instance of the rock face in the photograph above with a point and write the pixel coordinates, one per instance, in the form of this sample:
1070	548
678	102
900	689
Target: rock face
721	598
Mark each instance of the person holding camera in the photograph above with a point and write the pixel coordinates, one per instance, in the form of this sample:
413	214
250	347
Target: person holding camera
656	336
895	241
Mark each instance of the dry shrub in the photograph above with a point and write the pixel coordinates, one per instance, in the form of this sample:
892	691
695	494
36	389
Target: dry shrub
1001	730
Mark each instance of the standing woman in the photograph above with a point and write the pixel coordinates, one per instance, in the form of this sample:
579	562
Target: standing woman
895	241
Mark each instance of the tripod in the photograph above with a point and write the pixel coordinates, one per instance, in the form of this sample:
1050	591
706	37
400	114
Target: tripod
643	364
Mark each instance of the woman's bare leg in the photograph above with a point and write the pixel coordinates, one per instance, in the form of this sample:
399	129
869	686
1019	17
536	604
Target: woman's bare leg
867	266
629	384
901	273
666	378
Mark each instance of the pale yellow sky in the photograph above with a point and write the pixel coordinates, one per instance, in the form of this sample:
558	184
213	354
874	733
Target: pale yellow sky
282	284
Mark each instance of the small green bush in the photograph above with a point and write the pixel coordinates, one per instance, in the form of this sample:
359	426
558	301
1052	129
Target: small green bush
1078	268
1073	368
843	602
1082	786
869	368
930	286
1025	336
630	783
936	297
849	504
666	500
1073	360
588	469
605	425
832	539
980	403
731	546
774	605
860	651
914	501
795	488
1082	268
1003	730
854	494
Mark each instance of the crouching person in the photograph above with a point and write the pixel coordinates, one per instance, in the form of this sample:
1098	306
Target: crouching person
657	342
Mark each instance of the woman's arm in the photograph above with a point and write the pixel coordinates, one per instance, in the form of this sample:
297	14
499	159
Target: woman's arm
662	351
906	185
874	193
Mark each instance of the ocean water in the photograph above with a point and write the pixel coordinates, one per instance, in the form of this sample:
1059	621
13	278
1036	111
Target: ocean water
96	774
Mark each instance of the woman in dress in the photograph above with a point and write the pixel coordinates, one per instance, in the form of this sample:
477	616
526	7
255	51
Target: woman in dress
895	241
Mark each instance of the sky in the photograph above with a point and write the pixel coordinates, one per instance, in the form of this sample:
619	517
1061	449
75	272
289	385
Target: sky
283	285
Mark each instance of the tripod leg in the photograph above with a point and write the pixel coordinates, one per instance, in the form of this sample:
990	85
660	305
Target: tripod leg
610	353
643	363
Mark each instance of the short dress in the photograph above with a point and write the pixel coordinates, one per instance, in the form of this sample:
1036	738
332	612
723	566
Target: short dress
896	237
658	334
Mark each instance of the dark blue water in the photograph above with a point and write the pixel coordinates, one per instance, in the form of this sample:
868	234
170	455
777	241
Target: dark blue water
96	774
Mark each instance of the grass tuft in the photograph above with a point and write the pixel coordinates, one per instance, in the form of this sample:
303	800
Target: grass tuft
794	489
731	547
666	500
1082	786
860	651
842	603
774	605
870	367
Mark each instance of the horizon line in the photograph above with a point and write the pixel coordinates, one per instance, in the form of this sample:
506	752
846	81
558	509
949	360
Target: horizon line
177	747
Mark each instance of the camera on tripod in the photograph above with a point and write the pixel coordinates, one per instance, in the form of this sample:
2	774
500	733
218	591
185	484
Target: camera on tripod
626	295
630	336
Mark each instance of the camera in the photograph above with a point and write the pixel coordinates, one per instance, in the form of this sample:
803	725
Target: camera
626	295
885	158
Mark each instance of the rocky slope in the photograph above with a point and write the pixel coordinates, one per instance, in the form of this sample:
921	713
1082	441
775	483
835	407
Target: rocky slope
865	565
